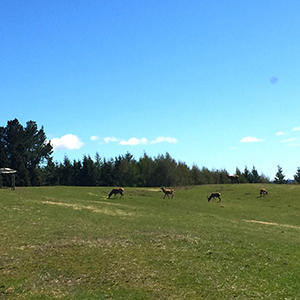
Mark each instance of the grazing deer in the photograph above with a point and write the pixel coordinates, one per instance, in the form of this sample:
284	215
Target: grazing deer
214	195
115	192
263	192
234	178
167	192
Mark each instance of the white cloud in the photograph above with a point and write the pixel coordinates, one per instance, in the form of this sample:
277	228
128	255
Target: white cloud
162	139
134	141
94	138
296	129
110	139
279	133
288	140
249	139
68	141
294	145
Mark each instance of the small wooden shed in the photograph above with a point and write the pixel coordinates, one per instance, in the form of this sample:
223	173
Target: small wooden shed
10	172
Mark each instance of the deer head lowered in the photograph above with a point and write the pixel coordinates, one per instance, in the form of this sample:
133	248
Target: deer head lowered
115	192
214	195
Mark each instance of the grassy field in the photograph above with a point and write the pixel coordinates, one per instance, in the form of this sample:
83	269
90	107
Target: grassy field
73	243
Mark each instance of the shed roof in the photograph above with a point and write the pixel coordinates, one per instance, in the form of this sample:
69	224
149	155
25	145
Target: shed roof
7	171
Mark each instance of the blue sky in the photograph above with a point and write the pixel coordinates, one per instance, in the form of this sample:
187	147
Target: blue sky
214	83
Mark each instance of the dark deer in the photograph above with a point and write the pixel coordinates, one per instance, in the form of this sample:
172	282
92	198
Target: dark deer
214	195
167	192
263	192
234	178
115	192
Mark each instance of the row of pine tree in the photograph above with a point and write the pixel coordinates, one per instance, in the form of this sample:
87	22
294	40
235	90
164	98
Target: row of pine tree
27	150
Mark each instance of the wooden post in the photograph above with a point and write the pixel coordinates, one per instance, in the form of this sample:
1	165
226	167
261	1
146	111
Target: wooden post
13	181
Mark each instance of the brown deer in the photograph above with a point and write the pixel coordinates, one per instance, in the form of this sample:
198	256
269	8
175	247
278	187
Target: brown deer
115	192
214	195
263	192
234	178
167	192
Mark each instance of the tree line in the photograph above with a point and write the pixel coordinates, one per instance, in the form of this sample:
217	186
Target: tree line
27	150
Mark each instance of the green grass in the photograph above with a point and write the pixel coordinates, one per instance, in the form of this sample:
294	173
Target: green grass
73	243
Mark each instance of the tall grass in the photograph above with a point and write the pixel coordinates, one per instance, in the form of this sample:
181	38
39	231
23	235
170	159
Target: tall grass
74	243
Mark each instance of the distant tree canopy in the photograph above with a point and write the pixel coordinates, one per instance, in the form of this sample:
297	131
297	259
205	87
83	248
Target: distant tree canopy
27	150
125	170
24	149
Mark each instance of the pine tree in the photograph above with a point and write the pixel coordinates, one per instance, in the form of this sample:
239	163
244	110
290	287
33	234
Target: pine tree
242	178
255	176
88	172
297	175
50	173
183	174
98	165
197	176
279	177
145	171
107	173
24	149
66	172
76	174
164	170
247	174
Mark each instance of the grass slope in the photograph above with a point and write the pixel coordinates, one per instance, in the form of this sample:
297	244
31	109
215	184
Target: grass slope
73	243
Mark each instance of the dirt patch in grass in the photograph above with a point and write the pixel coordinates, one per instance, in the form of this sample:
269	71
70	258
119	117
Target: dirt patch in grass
106	211
65	243
149	189
52	199
272	223
93	194
112	204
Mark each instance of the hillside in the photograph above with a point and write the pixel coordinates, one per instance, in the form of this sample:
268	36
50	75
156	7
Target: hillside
74	243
